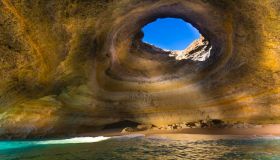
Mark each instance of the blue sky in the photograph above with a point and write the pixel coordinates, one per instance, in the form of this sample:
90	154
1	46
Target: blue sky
170	33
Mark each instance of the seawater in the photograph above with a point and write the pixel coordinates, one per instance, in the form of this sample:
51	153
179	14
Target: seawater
140	148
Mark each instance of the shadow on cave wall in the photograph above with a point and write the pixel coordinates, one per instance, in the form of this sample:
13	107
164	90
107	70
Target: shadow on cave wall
121	124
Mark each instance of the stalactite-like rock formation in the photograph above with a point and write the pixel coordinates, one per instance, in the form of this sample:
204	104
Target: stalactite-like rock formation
70	66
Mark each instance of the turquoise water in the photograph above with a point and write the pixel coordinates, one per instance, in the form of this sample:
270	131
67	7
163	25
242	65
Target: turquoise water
140	148
9	145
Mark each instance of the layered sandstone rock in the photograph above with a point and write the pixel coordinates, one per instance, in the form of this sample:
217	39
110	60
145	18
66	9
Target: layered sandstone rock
199	50
71	66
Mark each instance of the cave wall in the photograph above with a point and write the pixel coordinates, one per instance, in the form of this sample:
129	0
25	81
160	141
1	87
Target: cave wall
72	66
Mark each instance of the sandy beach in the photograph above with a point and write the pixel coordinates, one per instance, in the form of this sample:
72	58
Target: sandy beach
271	130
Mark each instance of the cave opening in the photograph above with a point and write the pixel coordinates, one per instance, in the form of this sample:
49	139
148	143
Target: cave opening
170	33
121	124
176	37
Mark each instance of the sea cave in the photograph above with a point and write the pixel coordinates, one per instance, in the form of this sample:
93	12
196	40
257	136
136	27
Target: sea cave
107	79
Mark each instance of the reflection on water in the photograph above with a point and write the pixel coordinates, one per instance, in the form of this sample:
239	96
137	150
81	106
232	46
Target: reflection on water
138	148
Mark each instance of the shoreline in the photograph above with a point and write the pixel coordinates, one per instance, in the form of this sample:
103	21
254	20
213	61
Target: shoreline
194	134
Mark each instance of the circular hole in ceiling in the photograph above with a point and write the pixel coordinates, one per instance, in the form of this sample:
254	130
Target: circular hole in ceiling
170	33
177	37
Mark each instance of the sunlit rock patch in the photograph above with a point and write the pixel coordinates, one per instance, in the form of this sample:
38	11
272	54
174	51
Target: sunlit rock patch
199	50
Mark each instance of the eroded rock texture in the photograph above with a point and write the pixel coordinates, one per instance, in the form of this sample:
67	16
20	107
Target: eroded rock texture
70	66
198	50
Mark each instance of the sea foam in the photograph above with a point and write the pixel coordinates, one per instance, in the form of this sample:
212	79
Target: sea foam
23	144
